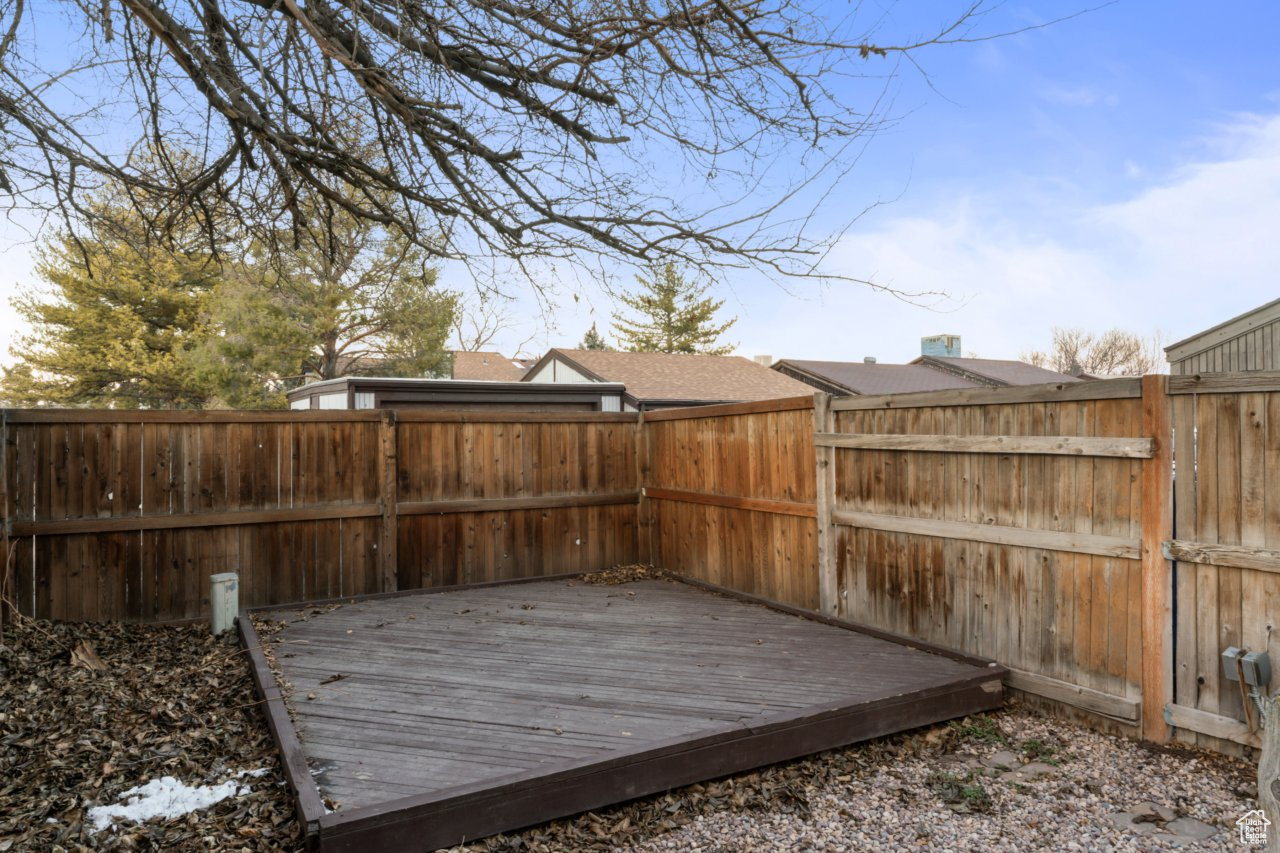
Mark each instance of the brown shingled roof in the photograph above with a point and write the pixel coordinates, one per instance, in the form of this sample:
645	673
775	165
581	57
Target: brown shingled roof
489	366
864	378
1000	371
656	376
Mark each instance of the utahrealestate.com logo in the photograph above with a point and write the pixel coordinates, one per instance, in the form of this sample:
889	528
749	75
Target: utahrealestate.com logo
1253	827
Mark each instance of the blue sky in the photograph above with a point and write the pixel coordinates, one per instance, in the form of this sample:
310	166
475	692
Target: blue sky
1120	169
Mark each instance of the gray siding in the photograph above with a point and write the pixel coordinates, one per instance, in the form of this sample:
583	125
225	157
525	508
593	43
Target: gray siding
1256	349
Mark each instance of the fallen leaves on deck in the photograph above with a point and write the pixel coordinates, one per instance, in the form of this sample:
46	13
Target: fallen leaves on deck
625	574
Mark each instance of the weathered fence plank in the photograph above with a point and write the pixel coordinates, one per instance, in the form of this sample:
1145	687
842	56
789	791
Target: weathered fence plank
730	494
1006	523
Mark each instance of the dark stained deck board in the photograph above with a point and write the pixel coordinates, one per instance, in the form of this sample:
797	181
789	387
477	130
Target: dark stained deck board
461	703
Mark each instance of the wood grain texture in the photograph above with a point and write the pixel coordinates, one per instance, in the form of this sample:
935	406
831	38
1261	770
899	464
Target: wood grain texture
1213	725
828	577
1220	382
1028	558
804	510
1225	541
1235	556
473	711
124	518
1072	543
785	404
1131	448
1156	648
1117	707
753	529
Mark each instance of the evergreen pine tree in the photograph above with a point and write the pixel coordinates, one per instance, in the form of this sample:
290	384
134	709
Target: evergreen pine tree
593	340
674	315
120	321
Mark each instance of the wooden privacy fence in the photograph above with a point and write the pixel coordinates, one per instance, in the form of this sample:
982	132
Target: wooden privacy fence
1030	525
124	515
729	497
1019	524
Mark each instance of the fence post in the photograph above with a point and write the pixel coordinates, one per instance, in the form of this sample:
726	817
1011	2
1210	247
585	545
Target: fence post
644	542
824	457
1157	579
388	487
6	569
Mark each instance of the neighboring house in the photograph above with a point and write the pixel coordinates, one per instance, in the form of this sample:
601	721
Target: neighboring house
656	380
843	378
995	372
1248	342
372	392
939	368
489	366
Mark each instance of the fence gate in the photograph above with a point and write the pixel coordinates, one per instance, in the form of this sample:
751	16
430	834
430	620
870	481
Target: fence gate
1226	544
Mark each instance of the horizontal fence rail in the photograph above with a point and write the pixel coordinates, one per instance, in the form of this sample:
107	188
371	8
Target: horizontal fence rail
1131	448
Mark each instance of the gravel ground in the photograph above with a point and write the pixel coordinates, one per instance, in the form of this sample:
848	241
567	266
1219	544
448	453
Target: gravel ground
89	711
1013	780
1065	788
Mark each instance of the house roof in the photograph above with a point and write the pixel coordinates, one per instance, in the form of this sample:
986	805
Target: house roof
668	377
862	378
488	366
998	371
1233	328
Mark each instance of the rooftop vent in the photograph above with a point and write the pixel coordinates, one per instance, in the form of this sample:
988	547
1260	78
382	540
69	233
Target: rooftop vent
766	360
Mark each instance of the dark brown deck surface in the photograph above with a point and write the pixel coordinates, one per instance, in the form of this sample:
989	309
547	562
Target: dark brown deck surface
561	692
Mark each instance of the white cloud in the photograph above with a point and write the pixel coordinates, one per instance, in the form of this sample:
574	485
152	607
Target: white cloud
1182	254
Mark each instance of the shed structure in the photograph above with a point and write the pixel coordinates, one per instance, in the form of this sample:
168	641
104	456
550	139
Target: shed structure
1248	342
376	392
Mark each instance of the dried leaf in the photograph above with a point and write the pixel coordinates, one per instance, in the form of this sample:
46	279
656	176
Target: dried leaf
83	655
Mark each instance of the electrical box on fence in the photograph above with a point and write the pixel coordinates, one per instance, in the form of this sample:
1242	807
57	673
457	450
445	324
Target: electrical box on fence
1254	666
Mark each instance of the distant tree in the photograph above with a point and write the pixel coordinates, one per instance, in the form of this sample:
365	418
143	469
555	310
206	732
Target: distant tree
350	299
593	340
1076	351
124	335
674	315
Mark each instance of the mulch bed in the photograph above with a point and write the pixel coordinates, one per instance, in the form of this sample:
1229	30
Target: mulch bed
88	711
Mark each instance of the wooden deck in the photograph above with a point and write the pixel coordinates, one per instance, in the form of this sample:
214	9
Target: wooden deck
430	718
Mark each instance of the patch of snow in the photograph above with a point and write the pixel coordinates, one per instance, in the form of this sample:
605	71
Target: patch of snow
168	798
261	771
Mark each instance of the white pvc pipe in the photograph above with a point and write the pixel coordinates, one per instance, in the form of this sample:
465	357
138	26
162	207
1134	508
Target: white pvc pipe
224	601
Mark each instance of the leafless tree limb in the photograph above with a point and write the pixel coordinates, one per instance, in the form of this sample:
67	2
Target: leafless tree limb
642	130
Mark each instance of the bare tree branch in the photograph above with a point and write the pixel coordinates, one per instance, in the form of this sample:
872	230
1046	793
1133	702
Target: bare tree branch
556	129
